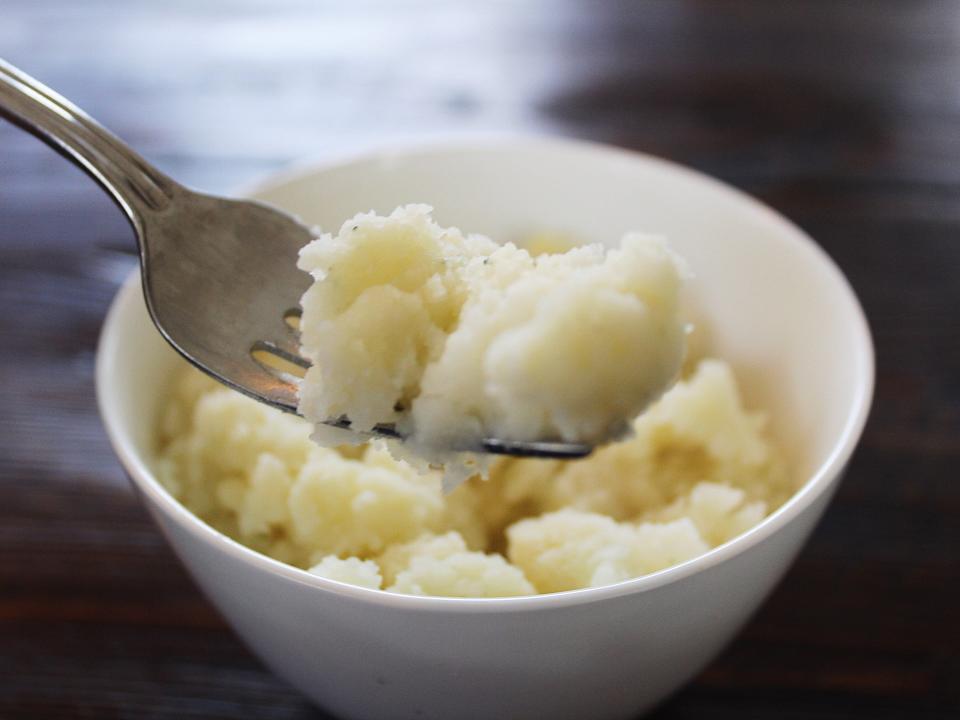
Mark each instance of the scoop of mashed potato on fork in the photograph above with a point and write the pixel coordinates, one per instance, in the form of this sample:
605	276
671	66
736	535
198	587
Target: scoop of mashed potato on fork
454	338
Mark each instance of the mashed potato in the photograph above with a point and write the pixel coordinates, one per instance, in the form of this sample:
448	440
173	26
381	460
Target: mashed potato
698	471
454	338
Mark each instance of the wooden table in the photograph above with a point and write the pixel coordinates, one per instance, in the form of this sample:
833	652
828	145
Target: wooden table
845	116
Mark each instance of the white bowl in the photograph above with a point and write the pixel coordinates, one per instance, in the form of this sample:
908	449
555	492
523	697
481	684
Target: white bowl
771	303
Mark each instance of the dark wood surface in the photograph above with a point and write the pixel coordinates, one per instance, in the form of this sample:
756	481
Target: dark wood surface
845	116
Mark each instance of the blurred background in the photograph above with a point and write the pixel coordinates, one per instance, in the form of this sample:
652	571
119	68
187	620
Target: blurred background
842	115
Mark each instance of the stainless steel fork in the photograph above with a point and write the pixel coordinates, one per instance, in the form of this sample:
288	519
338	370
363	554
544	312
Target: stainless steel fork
219	275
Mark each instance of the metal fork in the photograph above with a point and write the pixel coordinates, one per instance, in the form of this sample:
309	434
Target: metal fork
219	275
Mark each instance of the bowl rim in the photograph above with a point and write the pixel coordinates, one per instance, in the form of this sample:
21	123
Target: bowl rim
817	483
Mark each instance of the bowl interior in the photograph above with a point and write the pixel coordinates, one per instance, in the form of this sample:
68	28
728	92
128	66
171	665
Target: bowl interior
764	297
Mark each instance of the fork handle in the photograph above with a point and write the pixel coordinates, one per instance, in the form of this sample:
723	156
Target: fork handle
136	186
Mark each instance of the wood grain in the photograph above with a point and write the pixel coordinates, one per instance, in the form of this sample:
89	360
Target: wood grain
845	116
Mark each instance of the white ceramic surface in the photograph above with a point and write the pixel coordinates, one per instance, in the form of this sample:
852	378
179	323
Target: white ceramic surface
766	298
